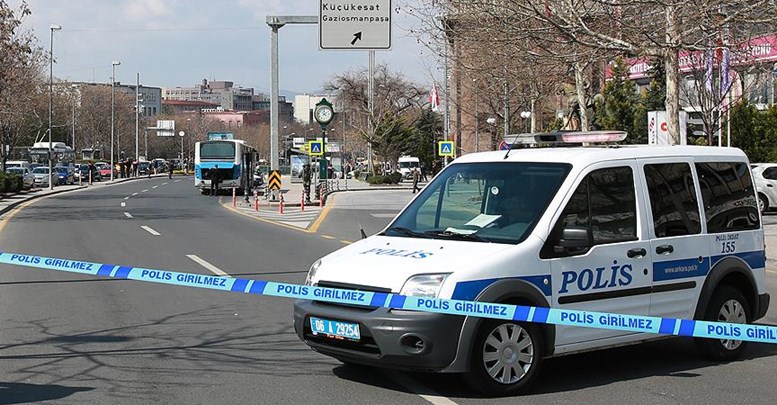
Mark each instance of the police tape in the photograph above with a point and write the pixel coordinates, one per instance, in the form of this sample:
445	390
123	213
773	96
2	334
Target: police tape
555	316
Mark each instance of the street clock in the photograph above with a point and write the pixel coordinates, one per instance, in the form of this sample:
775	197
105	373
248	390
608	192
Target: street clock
323	112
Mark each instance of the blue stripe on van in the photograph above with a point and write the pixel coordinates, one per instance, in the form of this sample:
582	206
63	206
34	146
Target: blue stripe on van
755	259
469	290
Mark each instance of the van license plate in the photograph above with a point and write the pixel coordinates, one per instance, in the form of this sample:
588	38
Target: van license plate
335	329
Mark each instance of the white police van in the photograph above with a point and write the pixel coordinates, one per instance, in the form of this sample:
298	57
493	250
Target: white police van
665	231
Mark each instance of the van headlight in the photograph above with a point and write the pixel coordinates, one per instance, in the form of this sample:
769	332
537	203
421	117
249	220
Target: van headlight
312	272
424	285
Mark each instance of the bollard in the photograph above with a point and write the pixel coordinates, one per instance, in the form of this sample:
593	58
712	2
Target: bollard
256	200
234	197
280	206
302	202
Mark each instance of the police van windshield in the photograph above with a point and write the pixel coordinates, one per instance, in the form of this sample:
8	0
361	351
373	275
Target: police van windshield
497	202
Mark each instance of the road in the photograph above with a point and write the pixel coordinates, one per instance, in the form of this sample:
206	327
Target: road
65	338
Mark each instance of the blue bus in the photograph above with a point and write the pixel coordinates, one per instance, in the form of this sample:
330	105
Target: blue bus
232	158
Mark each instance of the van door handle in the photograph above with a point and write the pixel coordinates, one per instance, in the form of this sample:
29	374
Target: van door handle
632	253
664	249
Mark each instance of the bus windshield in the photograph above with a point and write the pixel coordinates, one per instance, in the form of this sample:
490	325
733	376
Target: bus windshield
217	150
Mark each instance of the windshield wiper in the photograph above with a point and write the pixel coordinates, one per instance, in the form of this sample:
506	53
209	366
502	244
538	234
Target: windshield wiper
405	231
456	235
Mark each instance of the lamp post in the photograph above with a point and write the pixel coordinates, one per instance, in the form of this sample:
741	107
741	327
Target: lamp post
525	115
181	133
491	121
113	86
52	28
477	123
74	86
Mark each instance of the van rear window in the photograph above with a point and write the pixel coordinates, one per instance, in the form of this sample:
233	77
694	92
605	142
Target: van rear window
729	197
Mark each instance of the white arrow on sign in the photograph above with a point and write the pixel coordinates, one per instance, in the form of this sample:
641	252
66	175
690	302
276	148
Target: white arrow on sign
354	25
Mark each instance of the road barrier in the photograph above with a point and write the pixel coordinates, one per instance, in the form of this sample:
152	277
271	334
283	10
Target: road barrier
555	316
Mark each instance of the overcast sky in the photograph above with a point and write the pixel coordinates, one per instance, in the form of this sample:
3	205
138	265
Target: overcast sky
180	42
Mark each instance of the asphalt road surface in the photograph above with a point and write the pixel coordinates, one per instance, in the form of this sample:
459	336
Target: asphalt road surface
66	338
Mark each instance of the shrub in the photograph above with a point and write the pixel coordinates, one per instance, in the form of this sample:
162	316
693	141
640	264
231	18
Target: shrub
393	178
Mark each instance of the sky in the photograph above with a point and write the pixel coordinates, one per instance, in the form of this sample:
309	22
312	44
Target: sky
177	43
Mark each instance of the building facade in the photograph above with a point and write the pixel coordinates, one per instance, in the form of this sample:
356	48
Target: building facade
305	103
222	93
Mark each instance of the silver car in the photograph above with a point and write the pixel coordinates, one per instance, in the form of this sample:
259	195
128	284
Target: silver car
43	177
765	175
27	177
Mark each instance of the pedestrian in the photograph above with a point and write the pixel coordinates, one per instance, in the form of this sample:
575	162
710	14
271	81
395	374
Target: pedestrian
170	172
416	177
186	167
423	173
214	180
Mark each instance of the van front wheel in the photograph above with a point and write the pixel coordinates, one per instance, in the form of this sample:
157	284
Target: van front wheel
506	357
727	305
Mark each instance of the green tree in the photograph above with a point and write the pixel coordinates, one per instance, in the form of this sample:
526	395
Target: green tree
650	99
393	138
427	129
615	107
755	132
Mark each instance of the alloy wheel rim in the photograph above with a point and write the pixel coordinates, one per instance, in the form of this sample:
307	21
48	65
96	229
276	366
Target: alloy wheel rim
508	353
732	311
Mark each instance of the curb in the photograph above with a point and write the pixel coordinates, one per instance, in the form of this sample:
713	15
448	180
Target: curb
36	196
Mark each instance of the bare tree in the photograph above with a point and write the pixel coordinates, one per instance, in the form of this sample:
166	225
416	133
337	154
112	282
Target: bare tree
20	77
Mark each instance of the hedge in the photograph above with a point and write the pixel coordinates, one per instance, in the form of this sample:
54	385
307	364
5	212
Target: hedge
393	178
10	183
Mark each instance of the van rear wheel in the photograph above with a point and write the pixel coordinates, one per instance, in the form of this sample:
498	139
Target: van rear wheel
727	305
506	358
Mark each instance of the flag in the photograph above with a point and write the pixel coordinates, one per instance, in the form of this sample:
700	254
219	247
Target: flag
725	71
434	98
708	65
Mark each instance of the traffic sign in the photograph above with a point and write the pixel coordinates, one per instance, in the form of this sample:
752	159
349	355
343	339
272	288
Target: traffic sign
274	180
504	145
354	25
446	148
316	148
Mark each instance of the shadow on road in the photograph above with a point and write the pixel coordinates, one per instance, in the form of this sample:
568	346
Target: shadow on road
22	393
675	358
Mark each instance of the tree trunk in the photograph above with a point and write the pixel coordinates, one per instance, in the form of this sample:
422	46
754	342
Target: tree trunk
672	103
581	96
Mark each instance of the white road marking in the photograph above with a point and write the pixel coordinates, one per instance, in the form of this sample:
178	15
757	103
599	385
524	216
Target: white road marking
134	194
151	231
155	187
123	204
383	215
177	181
417	389
204	263
164	184
128	215
126	198
144	191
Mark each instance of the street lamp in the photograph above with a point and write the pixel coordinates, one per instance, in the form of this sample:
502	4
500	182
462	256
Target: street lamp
525	115
491	121
113	86
52	28
477	123
74	87
181	133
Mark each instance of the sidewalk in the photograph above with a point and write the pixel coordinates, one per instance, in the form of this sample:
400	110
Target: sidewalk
11	201
292	192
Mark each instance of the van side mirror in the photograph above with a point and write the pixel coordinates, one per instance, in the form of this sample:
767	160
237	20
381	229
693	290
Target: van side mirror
576	238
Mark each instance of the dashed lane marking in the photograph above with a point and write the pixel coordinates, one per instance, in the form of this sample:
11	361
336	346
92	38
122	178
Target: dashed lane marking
128	215
164	184
155	187
134	194
204	263
126	198
347	242
327	237
144	191
151	231
383	215
177	181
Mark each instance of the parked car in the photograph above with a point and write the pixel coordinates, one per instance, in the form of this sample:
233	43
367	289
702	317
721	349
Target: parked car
765	175
26	174
144	168
43	177
65	175
83	173
105	169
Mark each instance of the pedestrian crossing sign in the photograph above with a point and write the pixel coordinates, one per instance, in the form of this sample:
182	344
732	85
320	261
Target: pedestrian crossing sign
316	148
446	148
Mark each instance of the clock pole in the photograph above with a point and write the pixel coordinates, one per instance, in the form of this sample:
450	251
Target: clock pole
323	114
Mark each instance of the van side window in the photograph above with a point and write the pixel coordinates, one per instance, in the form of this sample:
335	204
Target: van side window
728	196
605	203
672	199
